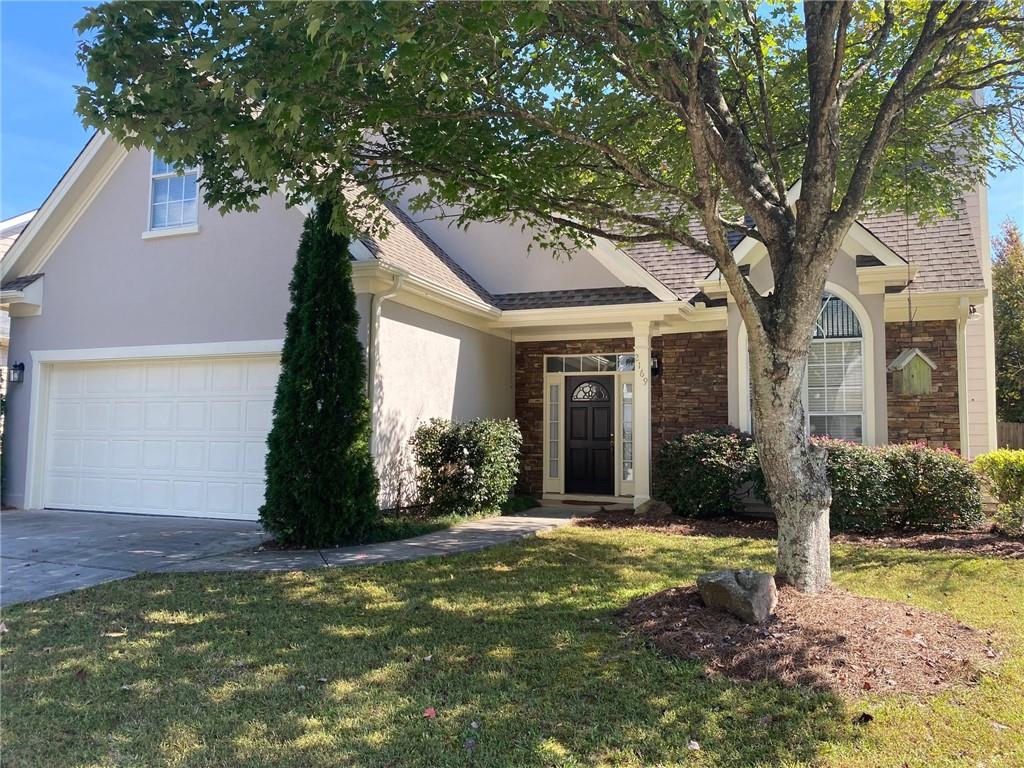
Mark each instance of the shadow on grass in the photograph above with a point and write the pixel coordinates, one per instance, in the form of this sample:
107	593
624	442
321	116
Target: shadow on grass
514	648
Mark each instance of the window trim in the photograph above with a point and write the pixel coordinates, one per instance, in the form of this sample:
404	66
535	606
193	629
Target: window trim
864	383
742	392
151	232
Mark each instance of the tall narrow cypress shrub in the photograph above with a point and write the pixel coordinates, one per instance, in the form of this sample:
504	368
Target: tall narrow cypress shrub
321	486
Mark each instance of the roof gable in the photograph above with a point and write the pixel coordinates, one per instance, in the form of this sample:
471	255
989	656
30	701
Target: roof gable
944	253
68	200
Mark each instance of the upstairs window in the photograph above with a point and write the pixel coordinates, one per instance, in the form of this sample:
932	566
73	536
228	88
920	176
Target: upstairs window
173	196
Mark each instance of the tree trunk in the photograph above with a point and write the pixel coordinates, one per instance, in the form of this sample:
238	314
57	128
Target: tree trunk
794	470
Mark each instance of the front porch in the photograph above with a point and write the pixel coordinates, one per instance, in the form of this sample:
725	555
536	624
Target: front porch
593	411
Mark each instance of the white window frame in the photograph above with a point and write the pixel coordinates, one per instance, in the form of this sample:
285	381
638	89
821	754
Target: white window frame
150	231
867	339
859	340
556	485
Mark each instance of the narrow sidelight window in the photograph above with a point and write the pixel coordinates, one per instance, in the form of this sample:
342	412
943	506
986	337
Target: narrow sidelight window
627	431
554	410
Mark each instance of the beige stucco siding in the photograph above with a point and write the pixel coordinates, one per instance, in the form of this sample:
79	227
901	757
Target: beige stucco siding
503	259
431	367
105	286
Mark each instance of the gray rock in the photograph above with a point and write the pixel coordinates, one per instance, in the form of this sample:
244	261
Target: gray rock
748	595
653	508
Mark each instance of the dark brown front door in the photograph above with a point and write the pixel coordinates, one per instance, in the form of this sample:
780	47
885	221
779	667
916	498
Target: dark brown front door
589	428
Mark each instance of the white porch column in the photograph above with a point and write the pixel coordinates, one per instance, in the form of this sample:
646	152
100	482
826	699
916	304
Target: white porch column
642	414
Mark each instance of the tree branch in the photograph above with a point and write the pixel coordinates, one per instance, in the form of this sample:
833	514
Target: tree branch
875	47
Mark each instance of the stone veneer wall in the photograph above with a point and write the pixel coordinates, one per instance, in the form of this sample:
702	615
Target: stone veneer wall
934	418
691	392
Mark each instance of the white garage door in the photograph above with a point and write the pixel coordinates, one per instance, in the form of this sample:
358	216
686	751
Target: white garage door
174	437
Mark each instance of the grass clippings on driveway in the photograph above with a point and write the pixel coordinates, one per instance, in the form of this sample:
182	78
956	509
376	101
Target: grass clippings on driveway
515	652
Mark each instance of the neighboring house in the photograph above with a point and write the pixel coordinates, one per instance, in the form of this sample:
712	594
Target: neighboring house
150	328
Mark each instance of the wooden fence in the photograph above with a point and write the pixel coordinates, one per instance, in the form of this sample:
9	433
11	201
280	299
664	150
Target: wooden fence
1010	435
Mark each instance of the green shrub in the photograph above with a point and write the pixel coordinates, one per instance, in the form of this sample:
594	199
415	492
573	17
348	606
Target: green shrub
903	487
468	467
1002	471
932	489
698	474
1009	518
518	504
860	481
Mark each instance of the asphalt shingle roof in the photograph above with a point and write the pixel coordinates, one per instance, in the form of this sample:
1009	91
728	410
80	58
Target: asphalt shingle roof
408	247
677	267
582	297
944	251
17	283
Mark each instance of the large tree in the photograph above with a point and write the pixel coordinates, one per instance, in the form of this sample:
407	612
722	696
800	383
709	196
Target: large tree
634	121
1008	303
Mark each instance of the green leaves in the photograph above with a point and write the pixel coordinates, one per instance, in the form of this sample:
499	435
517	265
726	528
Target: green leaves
321	487
1008	310
539	112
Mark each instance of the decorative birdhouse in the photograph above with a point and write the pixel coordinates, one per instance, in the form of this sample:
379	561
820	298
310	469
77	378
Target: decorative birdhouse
912	372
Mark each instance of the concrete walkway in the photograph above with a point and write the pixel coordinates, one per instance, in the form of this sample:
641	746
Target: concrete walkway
49	552
463	537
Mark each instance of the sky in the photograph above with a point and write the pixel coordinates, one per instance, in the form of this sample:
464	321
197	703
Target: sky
40	134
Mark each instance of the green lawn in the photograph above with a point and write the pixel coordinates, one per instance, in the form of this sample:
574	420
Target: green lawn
226	670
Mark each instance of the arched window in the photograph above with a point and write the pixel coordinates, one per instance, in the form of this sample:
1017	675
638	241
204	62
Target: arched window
589	390
835	373
834	384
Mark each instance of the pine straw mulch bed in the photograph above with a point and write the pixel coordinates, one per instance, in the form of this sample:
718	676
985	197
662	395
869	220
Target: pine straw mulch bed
832	641
983	543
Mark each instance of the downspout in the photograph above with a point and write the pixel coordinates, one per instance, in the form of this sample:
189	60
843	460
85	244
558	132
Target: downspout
961	375
373	354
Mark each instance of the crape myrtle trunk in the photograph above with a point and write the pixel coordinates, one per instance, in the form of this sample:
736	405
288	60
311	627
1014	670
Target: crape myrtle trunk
794	469
794	473
321	485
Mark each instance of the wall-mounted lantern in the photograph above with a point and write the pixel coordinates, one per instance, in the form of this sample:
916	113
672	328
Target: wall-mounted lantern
912	372
655	365
16	373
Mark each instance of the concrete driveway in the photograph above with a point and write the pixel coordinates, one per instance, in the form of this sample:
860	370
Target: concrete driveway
46	552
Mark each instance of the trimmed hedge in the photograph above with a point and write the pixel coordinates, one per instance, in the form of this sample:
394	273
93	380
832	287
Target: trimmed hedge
904	487
469	467
860	480
933	489
1003	474
698	474
861	492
